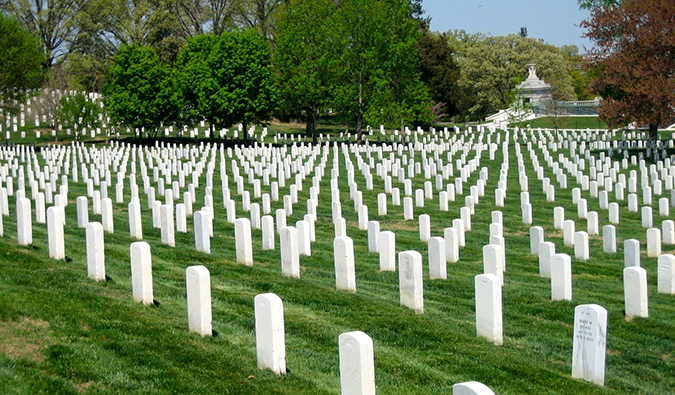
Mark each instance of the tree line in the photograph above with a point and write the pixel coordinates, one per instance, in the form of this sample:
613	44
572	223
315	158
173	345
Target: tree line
357	62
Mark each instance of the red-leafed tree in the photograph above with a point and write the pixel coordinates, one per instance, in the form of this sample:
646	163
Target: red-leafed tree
633	61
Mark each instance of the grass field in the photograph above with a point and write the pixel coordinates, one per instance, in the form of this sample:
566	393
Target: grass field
62	333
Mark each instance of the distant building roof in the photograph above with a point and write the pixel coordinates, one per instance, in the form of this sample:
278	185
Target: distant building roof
534	88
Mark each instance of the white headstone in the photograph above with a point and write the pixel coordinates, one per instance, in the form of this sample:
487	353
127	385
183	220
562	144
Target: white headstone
471	388
666	274
437	258
631	253
635	291
488	290
141	272
561	277
536	237
345	274
410	280
198	285
82	206
653	242
590	342
357	364
243	242
95	251
290	255
24	222
55	232
386	245
269	333
546	252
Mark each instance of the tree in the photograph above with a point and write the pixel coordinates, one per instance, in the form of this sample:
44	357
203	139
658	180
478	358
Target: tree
491	65
196	17
378	76
242	70
581	81
77	111
439	71
401	97
53	22
261	15
21	60
304	60
591	4
633	63
141	93
197	83
49	99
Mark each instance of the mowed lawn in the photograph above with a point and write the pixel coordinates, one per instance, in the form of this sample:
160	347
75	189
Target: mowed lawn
62	333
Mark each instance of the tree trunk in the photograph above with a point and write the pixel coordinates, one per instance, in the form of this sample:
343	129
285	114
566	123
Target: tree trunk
311	130
211	129
653	132
358	131
244	126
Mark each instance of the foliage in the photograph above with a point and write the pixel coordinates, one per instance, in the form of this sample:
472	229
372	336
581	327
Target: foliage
196	82
490	64
196	17
439	71
53	22
78	111
227	80
305	62
591	4
241	67
20	64
261	15
633	62
378	77
401	97
581	80
48	102
141	93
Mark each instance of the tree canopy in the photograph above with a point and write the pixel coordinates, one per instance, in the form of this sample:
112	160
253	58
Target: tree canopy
21	60
306	67
492	66
633	62
141	93
227	80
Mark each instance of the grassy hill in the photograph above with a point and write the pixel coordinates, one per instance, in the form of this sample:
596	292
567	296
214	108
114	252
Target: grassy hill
62	333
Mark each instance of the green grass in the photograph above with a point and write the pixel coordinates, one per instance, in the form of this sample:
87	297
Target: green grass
62	333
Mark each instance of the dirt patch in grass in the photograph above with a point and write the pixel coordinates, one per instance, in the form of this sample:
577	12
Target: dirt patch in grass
519	233
25	339
393	225
85	388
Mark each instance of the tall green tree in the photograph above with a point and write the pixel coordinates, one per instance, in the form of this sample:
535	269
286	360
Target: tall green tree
401	96
439	71
242	69
197	82
305	61
633	62
374	77
53	22
141	93
227	80
21	60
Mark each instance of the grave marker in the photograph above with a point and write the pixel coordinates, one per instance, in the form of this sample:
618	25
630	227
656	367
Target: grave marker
198	285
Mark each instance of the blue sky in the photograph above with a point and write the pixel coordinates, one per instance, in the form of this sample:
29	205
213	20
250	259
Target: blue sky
554	21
